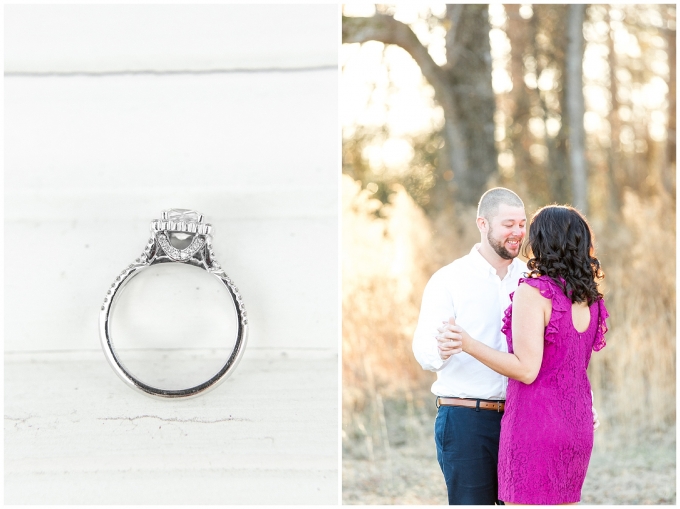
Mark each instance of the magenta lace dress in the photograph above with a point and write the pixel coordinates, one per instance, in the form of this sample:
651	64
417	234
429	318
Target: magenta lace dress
547	429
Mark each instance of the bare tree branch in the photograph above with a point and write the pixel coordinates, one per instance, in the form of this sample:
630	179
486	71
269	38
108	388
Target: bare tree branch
385	29
453	13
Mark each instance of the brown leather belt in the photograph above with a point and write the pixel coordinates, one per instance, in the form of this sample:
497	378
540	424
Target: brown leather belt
498	406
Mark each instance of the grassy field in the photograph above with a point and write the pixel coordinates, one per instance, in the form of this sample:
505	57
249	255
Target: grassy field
401	466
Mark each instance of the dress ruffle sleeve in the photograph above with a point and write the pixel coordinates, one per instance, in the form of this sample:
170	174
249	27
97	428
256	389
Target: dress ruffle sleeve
602	328
507	319
548	289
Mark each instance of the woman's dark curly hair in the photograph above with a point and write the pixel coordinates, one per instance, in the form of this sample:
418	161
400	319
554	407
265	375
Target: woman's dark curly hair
561	245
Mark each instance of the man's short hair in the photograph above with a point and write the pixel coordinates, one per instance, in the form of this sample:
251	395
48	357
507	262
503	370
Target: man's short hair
491	200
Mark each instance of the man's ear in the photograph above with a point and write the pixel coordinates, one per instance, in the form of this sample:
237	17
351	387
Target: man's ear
482	224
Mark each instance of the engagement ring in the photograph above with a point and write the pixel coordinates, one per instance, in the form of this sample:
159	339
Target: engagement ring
179	236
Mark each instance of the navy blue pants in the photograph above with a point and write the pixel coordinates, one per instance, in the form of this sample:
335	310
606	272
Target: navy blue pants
467	451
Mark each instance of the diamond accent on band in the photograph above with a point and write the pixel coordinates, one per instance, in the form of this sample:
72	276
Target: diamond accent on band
180	255
239	300
119	279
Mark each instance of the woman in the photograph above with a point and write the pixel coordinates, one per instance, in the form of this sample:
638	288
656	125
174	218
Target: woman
556	319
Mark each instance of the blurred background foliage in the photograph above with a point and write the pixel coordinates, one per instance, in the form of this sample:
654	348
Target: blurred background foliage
440	103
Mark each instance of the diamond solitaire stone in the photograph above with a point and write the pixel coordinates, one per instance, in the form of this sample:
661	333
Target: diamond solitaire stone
182	215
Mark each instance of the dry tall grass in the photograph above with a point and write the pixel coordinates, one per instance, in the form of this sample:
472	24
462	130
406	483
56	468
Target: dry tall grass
387	260
634	376
386	263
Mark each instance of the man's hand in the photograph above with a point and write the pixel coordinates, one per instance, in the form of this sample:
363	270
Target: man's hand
596	421
447	341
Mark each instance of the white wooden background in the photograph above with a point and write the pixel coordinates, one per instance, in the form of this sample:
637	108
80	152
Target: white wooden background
113	113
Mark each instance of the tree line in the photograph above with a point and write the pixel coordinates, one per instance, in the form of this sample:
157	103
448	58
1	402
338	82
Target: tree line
548	41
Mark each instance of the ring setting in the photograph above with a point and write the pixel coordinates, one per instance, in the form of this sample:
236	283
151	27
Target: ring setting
179	236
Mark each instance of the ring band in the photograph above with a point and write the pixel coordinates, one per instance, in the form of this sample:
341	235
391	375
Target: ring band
198	253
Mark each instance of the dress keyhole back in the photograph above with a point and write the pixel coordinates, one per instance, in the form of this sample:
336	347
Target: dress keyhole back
580	317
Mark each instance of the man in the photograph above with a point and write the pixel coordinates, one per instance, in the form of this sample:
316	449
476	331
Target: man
474	292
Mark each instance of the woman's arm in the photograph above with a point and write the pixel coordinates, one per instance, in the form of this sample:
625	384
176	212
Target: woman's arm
530	314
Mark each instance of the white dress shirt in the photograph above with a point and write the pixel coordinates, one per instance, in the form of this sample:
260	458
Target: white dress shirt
469	290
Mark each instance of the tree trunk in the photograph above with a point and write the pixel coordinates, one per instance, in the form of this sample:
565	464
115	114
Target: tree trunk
670	166
469	70
575	106
542	40
521	34
557	170
614	153
521	38
462	88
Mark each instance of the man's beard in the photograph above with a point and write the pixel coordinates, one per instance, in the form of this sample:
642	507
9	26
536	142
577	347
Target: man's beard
499	248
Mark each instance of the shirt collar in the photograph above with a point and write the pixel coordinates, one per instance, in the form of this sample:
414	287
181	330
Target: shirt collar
480	262
483	265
